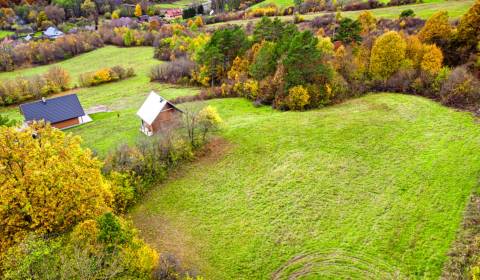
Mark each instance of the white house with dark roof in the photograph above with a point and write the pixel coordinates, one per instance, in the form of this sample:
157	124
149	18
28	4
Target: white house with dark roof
52	33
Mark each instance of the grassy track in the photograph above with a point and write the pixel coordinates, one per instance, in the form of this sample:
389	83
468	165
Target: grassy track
455	10
124	97
373	188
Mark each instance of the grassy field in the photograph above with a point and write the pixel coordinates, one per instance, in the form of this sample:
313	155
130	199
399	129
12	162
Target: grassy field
5	33
289	3
123	98
370	189
455	10
175	4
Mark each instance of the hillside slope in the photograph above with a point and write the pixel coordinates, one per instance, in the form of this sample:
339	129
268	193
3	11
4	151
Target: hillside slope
375	187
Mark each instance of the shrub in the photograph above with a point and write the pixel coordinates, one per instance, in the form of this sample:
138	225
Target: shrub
348	31
461	89
297	98
21	89
407	13
107	248
367	22
172	72
57	79
30	203
387	56
105	75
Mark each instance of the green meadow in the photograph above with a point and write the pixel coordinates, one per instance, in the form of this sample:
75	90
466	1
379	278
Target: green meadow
371	188
374	188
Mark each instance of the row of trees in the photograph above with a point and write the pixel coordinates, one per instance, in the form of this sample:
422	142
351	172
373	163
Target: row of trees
289	69
13	55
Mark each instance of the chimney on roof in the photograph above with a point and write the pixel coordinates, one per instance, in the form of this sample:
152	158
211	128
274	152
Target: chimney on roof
44	100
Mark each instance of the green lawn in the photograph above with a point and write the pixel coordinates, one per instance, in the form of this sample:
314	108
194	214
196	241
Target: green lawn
455	8
140	58
5	33
123	97
175	4
373	188
289	3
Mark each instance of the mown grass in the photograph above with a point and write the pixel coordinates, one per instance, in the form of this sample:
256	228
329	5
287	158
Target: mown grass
122	97
374	187
175	4
289	3
455	10
5	33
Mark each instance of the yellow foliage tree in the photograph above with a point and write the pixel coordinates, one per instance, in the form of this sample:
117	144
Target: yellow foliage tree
469	26
48	183
199	21
432	60
414	50
297	98
436	29
367	21
388	53
138	10
116	14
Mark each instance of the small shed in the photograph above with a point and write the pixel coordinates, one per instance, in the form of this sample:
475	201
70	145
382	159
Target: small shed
158	114
61	112
52	33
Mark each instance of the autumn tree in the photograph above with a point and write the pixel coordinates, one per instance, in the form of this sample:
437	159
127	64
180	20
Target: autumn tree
89	8
388	53
223	47
209	120
367	22
199	121
437	29
104	248
264	61
48	183
432	60
348	31
138	10
469	27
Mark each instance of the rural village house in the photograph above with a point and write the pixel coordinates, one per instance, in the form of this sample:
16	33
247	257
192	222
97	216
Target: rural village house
61	112
157	114
52	33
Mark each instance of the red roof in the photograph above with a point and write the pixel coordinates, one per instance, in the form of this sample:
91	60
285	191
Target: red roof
174	12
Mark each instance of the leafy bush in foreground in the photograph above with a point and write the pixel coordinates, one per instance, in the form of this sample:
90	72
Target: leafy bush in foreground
104	248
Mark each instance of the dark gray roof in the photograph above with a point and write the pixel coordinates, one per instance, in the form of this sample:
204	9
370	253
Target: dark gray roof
53	110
